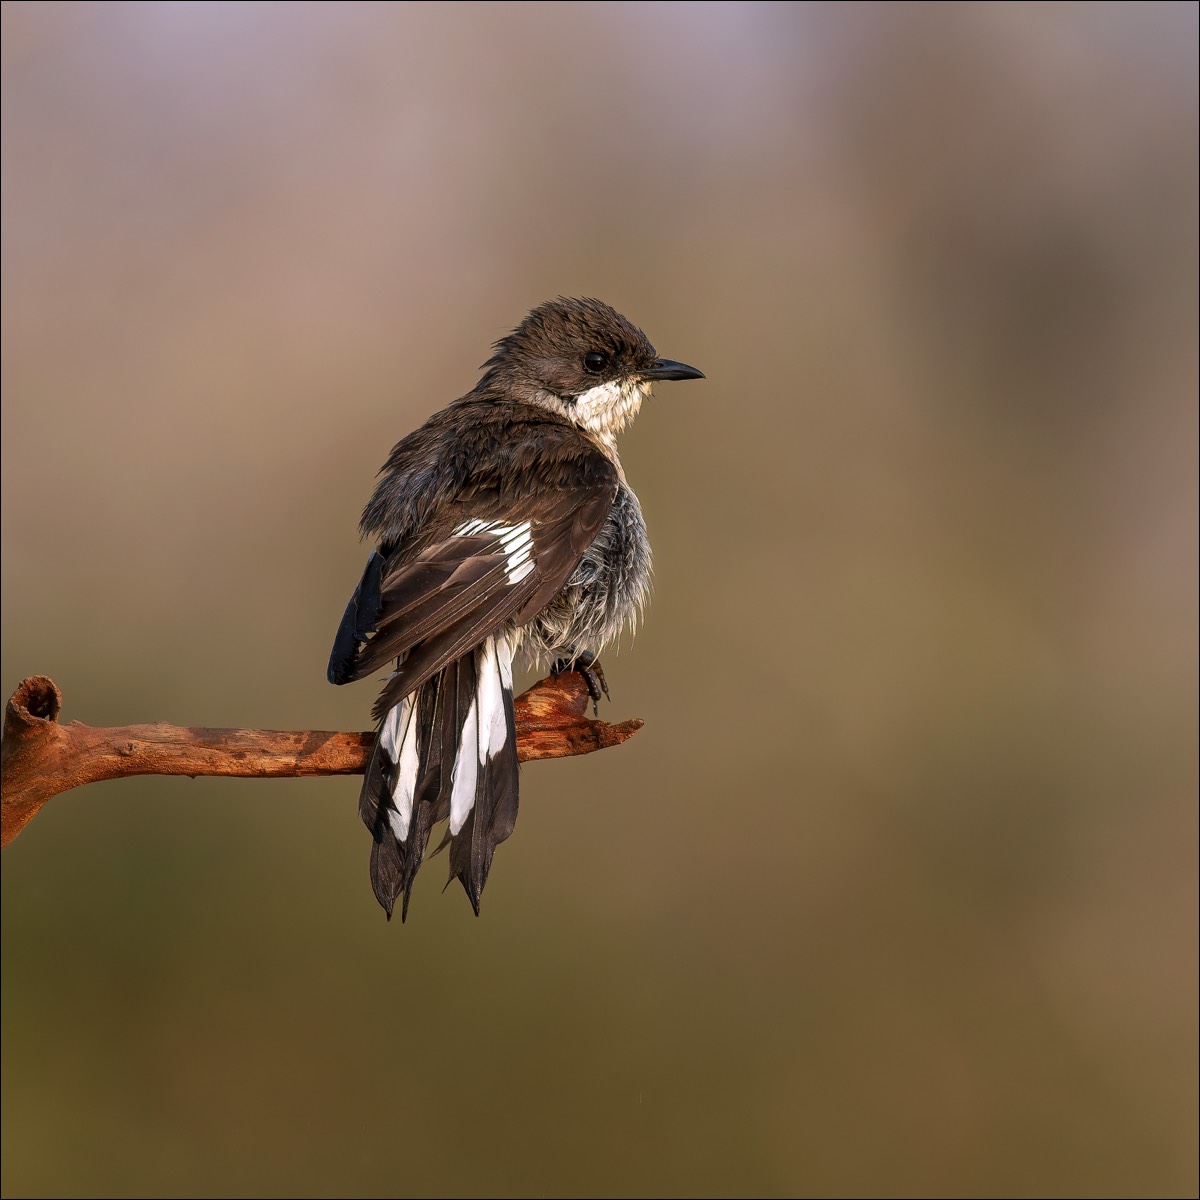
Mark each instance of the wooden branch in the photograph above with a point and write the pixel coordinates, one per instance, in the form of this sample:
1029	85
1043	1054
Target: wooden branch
40	758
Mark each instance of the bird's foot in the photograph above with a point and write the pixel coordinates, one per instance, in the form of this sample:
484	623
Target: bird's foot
588	665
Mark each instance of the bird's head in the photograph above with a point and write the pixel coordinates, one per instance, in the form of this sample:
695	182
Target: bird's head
581	360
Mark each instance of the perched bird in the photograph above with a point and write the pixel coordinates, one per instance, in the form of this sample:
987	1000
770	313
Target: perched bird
504	525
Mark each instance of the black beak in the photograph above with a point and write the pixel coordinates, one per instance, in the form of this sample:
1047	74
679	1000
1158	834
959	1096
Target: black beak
667	368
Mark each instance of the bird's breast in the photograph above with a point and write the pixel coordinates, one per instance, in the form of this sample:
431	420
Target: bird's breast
607	590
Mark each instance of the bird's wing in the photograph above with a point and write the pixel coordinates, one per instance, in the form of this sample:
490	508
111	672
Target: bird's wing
495	558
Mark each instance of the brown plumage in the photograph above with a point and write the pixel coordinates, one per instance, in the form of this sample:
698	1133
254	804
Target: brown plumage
504	521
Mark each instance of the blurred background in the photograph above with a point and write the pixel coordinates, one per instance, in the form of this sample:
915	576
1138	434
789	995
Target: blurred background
896	892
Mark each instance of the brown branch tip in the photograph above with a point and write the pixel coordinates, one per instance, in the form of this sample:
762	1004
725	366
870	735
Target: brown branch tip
40	757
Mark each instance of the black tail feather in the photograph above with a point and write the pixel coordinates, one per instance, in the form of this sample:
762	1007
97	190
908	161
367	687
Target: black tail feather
436	695
387	871
493	816
443	705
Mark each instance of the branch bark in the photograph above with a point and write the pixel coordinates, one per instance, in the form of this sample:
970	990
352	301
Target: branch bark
40	757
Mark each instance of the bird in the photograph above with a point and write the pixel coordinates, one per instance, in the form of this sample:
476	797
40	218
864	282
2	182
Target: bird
505	530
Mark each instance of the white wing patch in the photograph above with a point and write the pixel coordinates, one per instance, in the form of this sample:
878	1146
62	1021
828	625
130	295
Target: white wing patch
516	543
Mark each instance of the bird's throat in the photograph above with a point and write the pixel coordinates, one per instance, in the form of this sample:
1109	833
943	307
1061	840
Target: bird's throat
602	411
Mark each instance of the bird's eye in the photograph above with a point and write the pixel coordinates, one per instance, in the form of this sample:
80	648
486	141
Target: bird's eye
595	361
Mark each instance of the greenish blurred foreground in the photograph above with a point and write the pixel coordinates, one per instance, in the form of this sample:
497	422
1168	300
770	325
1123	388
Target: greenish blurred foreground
896	892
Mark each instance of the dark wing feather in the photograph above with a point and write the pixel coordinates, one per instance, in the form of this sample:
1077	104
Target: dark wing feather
441	599
358	621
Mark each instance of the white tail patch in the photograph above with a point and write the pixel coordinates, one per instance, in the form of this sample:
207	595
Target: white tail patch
504	656
492	727
466	769
485	730
398	737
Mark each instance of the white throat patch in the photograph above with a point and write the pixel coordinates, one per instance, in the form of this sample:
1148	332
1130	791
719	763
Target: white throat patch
603	410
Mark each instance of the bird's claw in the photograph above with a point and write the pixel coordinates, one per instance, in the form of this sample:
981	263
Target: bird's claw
588	665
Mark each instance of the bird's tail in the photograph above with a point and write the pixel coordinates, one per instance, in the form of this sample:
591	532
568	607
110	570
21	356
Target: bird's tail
448	752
